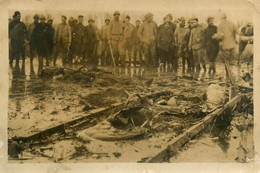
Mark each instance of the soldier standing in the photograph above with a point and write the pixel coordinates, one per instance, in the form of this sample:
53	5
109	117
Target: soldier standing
212	45
148	34
62	39
173	57
181	41
105	54
246	40
40	36
32	42
195	44
228	36
79	38
190	51
91	40
165	43
116	38
136	43
128	37
97	49
50	31
72	50
17	34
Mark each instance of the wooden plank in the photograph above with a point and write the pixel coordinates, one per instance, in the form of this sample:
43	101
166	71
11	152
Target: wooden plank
81	120
191	132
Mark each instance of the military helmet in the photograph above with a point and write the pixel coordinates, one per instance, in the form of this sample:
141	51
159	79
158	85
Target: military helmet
116	12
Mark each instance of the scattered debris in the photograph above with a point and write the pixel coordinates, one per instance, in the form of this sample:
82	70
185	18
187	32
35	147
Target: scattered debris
172	102
116	154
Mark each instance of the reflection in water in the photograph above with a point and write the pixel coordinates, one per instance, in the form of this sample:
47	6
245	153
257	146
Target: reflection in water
32	73
23	83
222	130
18	84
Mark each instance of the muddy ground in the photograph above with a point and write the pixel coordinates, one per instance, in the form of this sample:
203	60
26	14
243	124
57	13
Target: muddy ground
39	103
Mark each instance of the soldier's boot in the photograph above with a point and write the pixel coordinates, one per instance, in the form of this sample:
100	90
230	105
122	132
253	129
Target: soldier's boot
122	61
11	62
17	60
47	61
23	59
54	61
31	59
63	60
40	67
168	67
214	70
210	69
204	68
130	62
183	65
214	67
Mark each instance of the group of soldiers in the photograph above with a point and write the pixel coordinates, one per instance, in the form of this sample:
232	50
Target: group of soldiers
120	43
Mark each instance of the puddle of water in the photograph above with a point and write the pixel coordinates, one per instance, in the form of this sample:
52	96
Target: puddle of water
224	142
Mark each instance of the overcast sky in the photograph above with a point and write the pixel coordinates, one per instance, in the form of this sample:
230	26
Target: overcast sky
236	10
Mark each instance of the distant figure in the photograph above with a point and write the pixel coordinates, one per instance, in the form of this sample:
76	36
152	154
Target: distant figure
182	34
91	41
14	148
190	23
32	41
62	40
173	57
227	34
195	44
212	45
79	39
97	49
136	44
72	50
246	40
40	36
105	54
148	34
50	31
116	39
165	43
128	37
18	36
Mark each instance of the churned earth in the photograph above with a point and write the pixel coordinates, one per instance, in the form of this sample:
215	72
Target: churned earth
39	102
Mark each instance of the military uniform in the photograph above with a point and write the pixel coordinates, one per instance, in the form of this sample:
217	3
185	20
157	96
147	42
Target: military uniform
32	43
73	45
62	39
227	32
165	42
17	35
116	37
136	46
173	25
246	43
105	54
79	40
50	31
196	43
148	34
212	46
181	41
40	36
128	36
91	41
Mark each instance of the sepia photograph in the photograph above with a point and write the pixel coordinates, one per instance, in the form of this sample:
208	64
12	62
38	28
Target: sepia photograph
118	84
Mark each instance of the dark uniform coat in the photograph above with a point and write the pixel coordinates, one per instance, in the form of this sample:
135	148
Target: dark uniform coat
211	45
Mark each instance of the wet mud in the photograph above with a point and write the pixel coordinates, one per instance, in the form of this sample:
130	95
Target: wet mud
39	102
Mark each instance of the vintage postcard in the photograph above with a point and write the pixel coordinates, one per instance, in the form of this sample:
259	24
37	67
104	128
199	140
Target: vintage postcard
129	86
